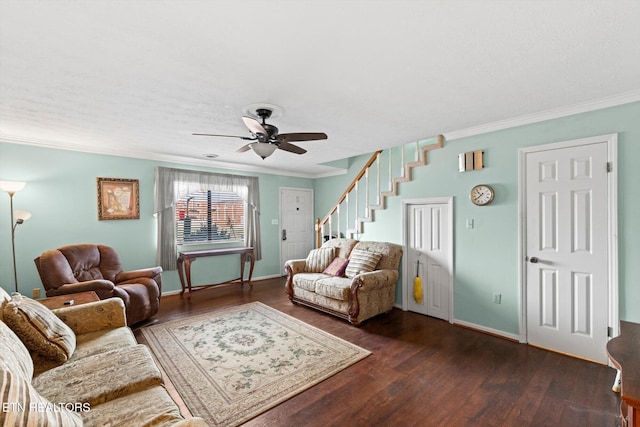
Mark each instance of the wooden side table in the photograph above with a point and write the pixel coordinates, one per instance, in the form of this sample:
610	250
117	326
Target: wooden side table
69	300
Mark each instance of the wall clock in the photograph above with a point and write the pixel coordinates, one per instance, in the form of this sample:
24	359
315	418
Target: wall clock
481	195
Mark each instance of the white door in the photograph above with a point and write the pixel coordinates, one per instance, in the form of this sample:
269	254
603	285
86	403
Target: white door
429	255
296	223
567	250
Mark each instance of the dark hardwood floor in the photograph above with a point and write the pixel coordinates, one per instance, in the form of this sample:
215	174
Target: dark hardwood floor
426	372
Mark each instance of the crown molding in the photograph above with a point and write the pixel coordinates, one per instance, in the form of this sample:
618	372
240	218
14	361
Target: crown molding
237	167
598	104
555	113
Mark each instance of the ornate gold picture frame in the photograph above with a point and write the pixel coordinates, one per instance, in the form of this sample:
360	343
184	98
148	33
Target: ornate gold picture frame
118	199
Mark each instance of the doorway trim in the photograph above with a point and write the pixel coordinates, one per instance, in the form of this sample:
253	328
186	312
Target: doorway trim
405	228
612	225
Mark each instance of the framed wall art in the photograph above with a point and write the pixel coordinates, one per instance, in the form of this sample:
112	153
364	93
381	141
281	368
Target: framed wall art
118	199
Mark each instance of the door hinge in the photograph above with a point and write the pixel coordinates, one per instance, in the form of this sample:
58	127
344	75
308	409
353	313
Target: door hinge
609	331
609	166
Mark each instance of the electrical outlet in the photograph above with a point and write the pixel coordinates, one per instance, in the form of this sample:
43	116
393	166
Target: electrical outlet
497	298
35	293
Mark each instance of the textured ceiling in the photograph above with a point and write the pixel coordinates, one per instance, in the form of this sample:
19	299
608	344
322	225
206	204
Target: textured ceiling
136	78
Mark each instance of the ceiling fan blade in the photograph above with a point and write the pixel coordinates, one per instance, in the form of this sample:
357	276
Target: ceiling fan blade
304	136
254	125
283	145
244	148
224	136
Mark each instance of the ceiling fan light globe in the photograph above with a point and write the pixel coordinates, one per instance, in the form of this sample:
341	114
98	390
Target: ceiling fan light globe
263	149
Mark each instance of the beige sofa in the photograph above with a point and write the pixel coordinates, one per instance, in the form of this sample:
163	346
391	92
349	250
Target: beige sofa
106	380
365	289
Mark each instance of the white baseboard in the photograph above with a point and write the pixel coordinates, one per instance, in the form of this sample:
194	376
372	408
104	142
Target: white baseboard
271	276
479	328
491	331
171	292
255	279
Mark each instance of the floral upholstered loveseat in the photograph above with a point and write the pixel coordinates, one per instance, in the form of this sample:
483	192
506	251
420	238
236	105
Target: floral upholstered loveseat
351	279
76	366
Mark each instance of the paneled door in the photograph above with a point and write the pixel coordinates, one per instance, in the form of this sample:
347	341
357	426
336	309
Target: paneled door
567	208
429	255
296	224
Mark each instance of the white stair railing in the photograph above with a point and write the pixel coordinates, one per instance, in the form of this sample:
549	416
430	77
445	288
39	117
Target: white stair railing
356	204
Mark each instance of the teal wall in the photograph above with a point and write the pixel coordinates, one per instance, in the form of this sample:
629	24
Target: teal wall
61	195
486	257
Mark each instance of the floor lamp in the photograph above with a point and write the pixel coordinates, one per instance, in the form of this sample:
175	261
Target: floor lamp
12	187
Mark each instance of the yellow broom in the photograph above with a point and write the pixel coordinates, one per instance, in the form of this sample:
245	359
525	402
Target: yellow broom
417	285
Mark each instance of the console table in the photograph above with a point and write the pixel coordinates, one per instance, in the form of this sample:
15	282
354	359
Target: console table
187	257
623	352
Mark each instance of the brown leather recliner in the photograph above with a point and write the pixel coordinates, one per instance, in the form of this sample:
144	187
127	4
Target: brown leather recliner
88	267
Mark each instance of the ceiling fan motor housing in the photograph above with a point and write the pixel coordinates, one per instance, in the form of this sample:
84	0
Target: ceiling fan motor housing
263	113
272	131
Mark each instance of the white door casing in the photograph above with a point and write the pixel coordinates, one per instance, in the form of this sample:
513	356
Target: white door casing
428	238
296	232
568	232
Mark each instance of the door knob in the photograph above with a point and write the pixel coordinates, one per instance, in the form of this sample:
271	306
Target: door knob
534	260
284	234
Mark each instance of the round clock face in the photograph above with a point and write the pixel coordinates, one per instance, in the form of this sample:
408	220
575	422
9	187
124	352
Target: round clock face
481	195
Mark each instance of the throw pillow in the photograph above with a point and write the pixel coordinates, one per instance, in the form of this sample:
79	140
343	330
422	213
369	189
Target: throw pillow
361	262
40	330
14	353
23	406
337	267
318	260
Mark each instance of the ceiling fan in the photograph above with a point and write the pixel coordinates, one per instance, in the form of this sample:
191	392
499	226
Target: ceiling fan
266	136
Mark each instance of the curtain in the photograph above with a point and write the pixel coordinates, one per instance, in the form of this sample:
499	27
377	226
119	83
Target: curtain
172	184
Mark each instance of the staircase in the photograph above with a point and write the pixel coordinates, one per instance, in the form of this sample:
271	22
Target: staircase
365	195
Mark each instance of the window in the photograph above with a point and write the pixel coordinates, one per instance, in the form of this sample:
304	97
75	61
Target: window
210	216
172	189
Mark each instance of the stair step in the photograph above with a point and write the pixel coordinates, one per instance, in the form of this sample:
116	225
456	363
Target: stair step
381	199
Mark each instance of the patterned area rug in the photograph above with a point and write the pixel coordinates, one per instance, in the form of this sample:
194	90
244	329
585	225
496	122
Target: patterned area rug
235	363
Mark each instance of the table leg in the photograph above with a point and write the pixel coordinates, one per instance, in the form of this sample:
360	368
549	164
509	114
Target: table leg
180	265
187	264
252	260
243	259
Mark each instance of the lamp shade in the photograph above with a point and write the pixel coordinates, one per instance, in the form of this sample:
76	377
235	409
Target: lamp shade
263	149
11	186
22	215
